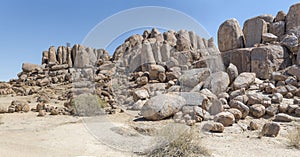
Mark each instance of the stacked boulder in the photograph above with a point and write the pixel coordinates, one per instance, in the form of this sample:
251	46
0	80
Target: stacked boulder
265	44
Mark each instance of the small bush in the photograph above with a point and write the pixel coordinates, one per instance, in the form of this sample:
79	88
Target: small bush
294	137
88	105
1	120
178	140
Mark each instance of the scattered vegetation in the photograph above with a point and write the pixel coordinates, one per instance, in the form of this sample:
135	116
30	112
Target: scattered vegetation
178	140
88	105
1	120
294	137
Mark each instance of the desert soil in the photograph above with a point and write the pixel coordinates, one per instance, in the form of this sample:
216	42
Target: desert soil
25	134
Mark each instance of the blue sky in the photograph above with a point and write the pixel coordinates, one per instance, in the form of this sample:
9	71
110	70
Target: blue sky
29	27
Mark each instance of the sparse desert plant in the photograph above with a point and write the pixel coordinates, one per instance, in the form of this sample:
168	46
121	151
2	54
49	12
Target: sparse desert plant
178	140
88	105
294	137
1	120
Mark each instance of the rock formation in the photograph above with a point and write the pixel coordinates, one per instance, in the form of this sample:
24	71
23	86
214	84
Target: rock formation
178	74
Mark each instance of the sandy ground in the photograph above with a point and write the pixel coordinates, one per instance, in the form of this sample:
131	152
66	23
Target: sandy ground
25	134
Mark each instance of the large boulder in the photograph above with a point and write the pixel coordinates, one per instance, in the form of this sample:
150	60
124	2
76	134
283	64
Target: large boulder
240	106
232	72
293	17
241	58
162	106
270	129
85	57
147	56
244	80
291	42
226	118
269	58
191	78
277	28
280	16
253	30
295	71
28	67
52	55
183	42
257	110
217	82
230	35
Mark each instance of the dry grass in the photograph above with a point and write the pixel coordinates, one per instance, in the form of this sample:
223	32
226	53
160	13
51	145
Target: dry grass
294	137
178	140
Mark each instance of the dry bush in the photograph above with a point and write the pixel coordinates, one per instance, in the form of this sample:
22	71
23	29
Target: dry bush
88	105
178	140
1	120
294	137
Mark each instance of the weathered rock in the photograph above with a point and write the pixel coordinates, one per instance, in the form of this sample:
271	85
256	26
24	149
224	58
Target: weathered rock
42	113
147	56
170	37
155	70
43	82
253	30
298	58
232	72
282	117
257	110
191	78
60	55
240	106
283	108
280	16
269	18
226	118
28	67
52	55
183	42
269	37
267	59
140	94
54	112
244	80
253	125
142	80
277	98
213	127
59	67
18	106
236	112
291	42
241	58
277	28
254	98
277	76
45	57
270	129
137	106
230	36
40	106
295	71
297	112
162	106
272	110
293	17
217	82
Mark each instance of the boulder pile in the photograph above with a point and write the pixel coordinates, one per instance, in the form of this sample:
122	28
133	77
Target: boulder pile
254	72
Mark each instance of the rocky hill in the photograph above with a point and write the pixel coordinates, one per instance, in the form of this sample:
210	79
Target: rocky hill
254	72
